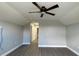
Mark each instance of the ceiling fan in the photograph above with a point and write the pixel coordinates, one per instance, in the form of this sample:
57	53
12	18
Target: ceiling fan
43	9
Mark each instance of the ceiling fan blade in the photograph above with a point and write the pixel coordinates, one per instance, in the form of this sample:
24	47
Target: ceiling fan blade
53	7
36	5
50	13
35	12
41	15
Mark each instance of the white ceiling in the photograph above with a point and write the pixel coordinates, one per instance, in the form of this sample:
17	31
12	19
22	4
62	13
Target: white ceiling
17	12
10	15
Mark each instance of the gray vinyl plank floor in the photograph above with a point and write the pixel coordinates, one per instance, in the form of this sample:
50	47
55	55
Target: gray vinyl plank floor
34	50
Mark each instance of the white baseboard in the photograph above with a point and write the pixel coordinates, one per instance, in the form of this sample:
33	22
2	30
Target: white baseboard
73	50
6	53
26	43
52	46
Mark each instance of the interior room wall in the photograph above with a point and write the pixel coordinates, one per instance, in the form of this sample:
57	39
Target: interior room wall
52	34
12	36
27	34
73	37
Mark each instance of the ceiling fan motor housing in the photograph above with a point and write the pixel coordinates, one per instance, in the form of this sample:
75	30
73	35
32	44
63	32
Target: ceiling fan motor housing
43	9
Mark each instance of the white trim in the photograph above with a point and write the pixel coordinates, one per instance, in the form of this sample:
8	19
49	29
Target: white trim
73	50
52	46
6	53
26	43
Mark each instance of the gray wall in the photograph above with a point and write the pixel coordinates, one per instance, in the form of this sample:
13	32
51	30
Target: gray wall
52	34
12	36
27	34
73	37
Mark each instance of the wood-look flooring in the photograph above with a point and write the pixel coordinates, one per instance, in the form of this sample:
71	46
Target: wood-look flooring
34	50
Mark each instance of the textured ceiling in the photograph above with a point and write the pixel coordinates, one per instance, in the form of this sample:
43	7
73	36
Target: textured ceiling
67	13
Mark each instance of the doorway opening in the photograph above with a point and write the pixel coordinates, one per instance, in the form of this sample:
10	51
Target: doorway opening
34	32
